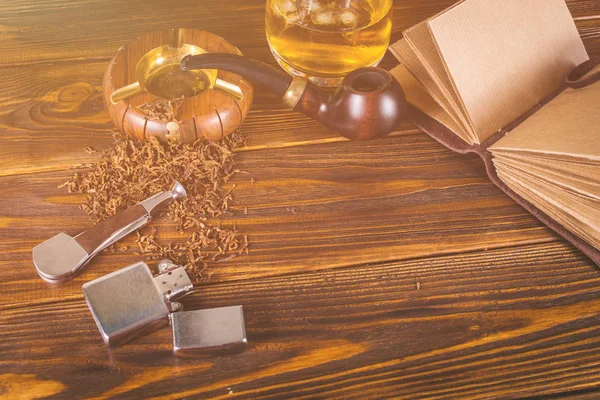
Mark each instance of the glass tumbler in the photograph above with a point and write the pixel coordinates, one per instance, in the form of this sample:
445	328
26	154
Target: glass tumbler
324	40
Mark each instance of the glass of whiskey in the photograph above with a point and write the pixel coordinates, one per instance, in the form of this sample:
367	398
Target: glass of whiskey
324	40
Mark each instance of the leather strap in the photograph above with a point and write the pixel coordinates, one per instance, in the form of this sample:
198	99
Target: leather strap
437	130
579	77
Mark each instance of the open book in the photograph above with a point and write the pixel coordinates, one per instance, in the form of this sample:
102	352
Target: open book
493	73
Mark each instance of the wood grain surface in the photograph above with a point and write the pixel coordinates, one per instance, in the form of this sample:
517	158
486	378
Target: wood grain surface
392	268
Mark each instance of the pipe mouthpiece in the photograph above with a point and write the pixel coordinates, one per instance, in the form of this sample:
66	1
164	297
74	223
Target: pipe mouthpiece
185	61
254	71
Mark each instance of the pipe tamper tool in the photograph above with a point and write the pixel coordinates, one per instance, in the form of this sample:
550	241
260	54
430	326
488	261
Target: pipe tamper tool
61	257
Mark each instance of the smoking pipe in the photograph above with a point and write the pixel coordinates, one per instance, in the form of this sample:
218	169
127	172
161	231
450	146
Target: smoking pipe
369	104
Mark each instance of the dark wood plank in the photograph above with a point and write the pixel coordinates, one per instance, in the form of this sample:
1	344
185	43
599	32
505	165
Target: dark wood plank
61	107
50	115
337	205
96	29
54	30
392	268
60	104
480	325
589	31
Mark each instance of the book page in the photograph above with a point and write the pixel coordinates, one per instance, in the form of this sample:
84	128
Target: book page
505	56
568	127
581	207
577	215
418	97
422	44
581	171
590	190
410	61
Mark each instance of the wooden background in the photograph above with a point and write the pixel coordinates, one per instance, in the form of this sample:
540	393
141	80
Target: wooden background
390	268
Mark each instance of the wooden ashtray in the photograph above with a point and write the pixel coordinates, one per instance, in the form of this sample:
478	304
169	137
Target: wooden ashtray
210	114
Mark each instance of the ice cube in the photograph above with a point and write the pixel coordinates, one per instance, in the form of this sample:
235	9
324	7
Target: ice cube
315	6
289	10
349	19
287	7
325	18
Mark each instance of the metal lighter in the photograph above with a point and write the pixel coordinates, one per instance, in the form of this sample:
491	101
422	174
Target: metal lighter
130	302
61	257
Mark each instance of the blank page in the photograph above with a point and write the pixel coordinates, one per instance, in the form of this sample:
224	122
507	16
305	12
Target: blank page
505	56
567	127
422	43
421	99
403	51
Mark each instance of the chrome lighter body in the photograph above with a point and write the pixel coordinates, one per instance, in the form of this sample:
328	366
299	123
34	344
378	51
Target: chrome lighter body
131	302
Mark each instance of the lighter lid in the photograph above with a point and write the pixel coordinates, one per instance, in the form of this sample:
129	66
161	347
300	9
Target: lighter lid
206	332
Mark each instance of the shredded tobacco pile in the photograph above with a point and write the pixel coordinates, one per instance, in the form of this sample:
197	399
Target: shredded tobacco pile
163	110
133	171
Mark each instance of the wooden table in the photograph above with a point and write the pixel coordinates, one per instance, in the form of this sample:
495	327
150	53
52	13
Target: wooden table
389	268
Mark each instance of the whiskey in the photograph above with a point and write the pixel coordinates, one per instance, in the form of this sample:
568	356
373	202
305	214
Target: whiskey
328	39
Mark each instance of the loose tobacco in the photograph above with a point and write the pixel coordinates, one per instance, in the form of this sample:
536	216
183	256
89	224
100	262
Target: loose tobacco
161	110
132	171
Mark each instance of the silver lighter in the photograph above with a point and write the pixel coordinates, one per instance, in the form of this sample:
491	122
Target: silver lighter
131	302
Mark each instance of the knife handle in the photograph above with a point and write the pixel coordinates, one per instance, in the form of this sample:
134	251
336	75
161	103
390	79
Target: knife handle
124	222
112	229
